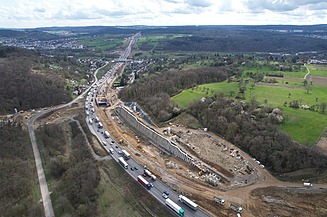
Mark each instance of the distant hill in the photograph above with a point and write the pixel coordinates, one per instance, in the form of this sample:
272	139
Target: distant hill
27	83
212	38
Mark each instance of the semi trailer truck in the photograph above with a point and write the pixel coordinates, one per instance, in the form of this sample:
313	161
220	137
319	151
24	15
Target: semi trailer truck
144	182
188	202
175	207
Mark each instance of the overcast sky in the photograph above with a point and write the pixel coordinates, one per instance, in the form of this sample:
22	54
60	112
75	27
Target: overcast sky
40	13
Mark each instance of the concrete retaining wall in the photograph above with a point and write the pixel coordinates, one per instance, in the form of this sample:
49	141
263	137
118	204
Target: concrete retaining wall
152	135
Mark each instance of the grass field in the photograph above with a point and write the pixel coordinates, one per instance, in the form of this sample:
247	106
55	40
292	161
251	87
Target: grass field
102	43
318	70
120	195
150	42
303	126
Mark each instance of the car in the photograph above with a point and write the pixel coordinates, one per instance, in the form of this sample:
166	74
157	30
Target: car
104	143
112	141
164	195
132	168
135	168
166	192
120	152
116	146
262	166
143	174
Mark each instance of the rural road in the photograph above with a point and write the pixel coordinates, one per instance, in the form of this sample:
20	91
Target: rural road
48	210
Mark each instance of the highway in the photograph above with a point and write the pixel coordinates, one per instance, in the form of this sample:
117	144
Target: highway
158	186
134	168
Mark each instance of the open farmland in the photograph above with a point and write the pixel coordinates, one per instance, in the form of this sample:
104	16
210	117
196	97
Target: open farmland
302	125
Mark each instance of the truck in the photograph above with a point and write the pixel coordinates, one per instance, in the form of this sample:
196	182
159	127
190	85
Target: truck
219	200
123	162
106	134
126	155
144	182
175	207
147	172
153	177
307	184
235	208
188	202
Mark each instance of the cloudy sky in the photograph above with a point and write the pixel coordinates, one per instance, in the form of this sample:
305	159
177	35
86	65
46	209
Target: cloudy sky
40	13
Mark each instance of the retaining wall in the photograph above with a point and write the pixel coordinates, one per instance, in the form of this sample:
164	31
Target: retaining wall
152	135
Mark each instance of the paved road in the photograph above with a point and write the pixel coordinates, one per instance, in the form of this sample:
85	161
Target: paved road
134	168
48	210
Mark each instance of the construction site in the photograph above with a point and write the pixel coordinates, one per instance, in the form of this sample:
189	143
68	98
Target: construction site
196	162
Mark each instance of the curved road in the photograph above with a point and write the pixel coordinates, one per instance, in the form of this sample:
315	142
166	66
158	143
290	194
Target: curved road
46	200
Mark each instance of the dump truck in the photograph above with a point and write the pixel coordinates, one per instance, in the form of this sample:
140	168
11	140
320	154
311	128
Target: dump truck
219	200
235	208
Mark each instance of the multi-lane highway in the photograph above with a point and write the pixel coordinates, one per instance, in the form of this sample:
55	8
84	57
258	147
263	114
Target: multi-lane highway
113	148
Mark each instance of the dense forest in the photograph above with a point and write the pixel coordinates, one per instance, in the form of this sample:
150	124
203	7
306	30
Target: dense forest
17	174
28	81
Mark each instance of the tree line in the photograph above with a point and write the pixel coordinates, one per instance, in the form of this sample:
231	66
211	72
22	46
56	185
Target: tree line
153	92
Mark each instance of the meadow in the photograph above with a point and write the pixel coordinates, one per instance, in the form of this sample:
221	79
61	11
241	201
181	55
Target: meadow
304	126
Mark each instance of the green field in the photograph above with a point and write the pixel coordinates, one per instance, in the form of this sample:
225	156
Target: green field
318	70
102	43
303	126
152	41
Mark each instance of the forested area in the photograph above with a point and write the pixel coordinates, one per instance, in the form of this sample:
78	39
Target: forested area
154	92
237	39
17	174
256	132
71	164
27	80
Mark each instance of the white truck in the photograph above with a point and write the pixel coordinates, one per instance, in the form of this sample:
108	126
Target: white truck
219	200
123	162
235	208
175	207
106	134
188	202
307	184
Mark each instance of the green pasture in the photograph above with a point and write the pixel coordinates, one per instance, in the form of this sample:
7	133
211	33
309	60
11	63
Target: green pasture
303	126
102	43
154	40
189	96
318	70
